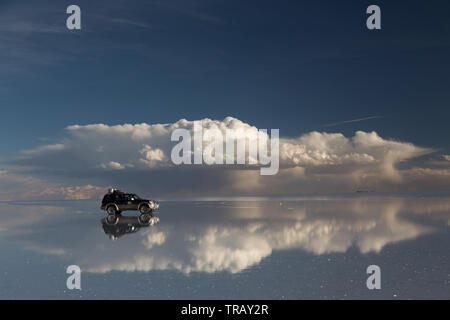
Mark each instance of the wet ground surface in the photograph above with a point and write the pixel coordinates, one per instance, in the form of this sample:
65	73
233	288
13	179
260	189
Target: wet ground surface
305	248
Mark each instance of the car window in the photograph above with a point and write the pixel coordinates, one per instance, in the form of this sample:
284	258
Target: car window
127	196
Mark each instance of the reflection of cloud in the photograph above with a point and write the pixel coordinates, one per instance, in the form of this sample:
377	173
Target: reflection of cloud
229	248
327	227
241	235
152	239
14	186
17	219
313	162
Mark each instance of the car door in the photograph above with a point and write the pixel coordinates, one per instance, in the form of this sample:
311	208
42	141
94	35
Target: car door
134	202
127	202
120	201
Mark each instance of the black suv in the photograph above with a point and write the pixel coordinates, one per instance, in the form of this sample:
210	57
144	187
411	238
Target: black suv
116	201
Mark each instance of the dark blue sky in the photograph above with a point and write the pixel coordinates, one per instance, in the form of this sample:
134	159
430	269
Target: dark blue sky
293	65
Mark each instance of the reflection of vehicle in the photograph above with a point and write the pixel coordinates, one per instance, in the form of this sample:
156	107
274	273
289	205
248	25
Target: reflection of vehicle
116	201
117	226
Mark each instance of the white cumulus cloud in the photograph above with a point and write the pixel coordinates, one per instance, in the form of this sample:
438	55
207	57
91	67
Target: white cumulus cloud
313	162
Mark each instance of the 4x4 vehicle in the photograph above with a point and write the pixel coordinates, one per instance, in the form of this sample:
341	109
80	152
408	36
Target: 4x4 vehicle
116	201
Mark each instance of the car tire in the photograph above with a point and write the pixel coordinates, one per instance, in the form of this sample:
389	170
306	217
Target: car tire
111	209
112	219
144	209
145	218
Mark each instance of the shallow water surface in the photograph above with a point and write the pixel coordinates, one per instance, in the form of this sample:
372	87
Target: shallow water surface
304	248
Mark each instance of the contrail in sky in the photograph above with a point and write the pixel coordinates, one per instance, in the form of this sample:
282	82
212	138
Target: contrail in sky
351	121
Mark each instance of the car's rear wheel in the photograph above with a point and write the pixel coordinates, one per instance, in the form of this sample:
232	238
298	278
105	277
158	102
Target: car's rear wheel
111	209
144	208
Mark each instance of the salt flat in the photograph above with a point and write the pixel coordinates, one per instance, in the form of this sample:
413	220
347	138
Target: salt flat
310	247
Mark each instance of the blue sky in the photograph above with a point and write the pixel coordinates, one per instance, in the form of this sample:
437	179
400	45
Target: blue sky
294	65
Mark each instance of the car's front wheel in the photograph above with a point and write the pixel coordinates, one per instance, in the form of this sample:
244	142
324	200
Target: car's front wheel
144	208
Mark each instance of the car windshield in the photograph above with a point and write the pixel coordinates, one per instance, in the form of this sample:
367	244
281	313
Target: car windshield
135	196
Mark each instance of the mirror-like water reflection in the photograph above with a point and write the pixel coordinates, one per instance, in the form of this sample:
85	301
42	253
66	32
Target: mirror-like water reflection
299	248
